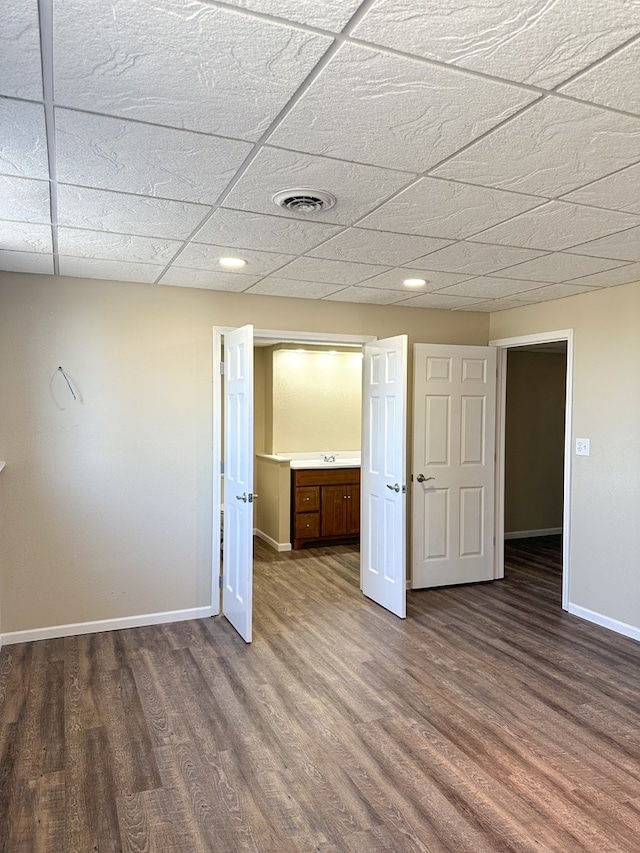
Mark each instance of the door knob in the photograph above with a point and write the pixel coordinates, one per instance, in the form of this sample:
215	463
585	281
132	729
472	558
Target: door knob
394	488
242	497
422	479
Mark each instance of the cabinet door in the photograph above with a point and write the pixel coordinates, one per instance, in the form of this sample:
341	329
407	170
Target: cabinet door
353	511
334	510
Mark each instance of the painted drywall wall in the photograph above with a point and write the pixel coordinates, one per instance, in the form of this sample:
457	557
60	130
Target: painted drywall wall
534	447
605	500
111	510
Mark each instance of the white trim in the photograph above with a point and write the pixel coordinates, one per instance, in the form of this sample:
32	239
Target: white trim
522	341
294	337
141	621
605	621
277	546
529	534
216	442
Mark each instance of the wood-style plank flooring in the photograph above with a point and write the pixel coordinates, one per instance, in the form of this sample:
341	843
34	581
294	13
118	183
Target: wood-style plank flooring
489	720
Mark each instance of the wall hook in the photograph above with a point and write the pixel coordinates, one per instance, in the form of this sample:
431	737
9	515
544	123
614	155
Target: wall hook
73	393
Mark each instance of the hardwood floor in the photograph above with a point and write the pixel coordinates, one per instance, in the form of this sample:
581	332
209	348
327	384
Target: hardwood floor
489	720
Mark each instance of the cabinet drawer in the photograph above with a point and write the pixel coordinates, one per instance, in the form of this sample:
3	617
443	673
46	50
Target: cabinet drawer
307	525
307	498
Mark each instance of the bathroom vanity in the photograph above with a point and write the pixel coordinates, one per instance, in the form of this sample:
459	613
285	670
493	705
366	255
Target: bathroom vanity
325	505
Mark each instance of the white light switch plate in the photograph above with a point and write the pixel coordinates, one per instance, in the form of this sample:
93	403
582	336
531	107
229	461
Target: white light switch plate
582	446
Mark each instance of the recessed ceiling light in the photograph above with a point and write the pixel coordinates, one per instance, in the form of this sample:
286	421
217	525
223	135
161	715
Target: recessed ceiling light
232	263
414	282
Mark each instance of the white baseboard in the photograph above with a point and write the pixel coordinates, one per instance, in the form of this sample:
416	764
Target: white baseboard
529	534
141	621
605	621
277	546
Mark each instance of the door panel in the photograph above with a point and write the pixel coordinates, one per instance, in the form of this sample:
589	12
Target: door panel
333	510
454	437
383	498
237	562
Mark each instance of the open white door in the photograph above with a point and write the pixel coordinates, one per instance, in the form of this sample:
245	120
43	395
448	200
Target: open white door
383	473
453	464
237	560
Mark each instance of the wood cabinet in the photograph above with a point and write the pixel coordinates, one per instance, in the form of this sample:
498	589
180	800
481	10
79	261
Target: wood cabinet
325	505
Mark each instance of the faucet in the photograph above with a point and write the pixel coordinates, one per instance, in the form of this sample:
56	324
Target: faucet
329	458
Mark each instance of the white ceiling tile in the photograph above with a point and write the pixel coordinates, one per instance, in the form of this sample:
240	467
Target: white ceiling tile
473	258
491	305
616	192
26	262
181	277
392	279
20	64
532	41
184	64
438	208
550	149
326	14
205	257
274	286
24	199
624	246
377	247
614	82
246	230
23	146
440	301
556	226
366	294
102	210
421	113
105	245
621	275
329	271
113	154
358	189
558	267
554	291
487	287
25	237
105	269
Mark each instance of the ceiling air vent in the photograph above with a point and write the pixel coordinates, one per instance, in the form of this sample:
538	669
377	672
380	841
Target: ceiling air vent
304	200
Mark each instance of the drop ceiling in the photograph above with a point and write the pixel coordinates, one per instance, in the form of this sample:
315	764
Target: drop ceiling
491	149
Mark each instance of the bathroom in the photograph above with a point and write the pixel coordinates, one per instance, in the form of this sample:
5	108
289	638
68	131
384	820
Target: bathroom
307	417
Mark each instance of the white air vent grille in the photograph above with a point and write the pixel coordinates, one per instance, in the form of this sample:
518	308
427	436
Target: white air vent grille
304	200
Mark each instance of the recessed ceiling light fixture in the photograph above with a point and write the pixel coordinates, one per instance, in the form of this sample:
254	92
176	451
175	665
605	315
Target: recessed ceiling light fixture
232	263
414	282
304	200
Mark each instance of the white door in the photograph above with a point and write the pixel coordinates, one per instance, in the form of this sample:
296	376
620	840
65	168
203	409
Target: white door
453	464
237	559
383	474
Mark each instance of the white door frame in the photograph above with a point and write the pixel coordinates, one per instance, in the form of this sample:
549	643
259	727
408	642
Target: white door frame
503	345
286	336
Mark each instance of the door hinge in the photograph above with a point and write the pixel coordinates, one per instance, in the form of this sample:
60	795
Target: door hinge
222	367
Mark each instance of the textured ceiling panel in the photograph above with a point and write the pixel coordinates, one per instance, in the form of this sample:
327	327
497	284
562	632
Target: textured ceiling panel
615	82
617	192
624	246
327	14
558	267
437	208
181	277
621	275
328	271
438	300
275	286
357	188
205	257
23	144
26	262
554	291
491	288
552	148
24	199
268	233
105	269
421	113
393	279
102	210
533	41
25	237
368	295
116	247
180	63
490	305
556	226
376	247
113	154
20	64
473	258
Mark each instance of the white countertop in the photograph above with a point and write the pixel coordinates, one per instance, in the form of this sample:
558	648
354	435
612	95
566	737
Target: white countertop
340	459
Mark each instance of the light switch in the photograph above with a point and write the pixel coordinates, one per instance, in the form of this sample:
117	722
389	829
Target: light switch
582	446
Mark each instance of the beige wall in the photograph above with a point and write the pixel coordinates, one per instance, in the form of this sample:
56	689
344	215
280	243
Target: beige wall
110	507
534	456
605	504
